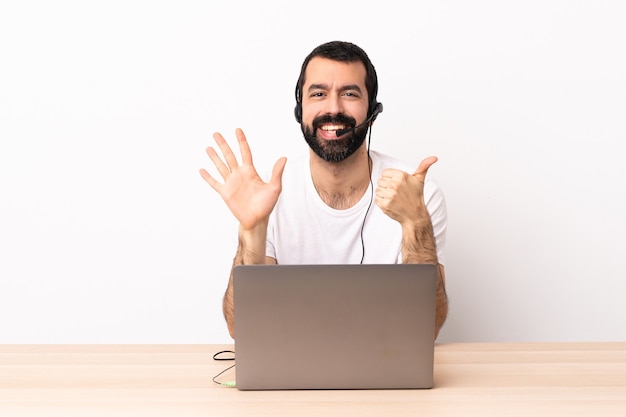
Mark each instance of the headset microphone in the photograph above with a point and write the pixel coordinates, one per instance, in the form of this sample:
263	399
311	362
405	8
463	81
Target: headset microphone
377	110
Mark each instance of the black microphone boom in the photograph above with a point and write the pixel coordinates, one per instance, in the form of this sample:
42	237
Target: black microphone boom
378	109
341	132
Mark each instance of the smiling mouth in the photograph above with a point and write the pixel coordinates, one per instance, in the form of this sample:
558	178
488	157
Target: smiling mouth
333	127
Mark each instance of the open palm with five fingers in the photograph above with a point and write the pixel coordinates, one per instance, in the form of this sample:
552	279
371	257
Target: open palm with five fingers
249	198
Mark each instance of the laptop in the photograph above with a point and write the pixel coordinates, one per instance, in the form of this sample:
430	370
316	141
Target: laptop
334	326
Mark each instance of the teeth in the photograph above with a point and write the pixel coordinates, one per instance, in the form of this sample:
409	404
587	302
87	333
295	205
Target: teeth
332	127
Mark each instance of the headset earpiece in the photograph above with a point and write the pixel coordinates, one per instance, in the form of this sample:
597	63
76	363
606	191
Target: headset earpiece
376	110
297	111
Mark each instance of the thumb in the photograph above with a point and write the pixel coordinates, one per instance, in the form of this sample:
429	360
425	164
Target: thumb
426	163
277	171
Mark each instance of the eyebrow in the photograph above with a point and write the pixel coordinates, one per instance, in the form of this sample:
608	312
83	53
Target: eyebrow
344	88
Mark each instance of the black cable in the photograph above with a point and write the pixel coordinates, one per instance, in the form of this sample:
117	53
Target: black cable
369	168
217	357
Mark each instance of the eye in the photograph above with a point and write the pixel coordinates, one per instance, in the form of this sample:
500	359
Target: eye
351	94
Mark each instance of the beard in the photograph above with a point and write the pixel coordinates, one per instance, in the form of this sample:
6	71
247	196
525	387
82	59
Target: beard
335	150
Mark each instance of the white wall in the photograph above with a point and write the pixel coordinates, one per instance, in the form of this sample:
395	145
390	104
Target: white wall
108	233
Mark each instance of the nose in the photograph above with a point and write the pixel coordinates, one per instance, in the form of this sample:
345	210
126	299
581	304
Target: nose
334	104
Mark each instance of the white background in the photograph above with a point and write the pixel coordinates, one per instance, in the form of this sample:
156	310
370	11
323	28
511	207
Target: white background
109	235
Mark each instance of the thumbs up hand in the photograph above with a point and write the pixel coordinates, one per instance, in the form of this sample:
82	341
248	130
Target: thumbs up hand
400	195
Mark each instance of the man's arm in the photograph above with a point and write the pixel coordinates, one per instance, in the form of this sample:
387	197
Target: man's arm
401	196
251	251
250	199
418	247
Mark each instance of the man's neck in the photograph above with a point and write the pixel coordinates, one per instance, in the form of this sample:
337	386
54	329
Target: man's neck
341	184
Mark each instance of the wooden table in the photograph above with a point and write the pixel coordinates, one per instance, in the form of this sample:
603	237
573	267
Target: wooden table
492	379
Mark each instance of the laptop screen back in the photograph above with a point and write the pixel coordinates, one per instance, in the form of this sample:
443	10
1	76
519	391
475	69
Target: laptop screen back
334	326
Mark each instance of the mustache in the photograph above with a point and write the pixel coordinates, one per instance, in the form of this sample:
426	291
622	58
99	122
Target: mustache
350	122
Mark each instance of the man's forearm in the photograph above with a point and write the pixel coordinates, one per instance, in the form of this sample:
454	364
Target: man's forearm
250	251
419	247
441	309
418	243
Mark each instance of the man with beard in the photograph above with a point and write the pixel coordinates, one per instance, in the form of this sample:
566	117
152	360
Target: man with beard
318	209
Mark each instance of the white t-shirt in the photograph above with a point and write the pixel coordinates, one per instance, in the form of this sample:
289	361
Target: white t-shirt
304	230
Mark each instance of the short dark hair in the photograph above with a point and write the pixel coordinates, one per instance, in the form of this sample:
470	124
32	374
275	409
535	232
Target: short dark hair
344	52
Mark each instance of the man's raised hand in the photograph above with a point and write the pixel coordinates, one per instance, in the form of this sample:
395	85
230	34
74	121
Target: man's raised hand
249	198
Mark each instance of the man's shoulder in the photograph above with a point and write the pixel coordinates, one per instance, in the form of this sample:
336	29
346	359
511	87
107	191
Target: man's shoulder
297	163
296	170
382	161
298	159
388	161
